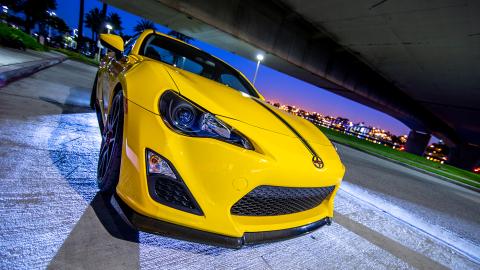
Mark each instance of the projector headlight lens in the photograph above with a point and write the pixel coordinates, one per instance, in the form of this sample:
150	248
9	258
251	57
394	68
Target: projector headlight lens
189	119
183	116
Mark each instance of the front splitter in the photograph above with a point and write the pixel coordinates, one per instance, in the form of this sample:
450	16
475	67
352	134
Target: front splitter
151	225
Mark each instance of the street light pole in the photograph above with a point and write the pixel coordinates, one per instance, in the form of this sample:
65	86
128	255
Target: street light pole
109	28
259	59
51	14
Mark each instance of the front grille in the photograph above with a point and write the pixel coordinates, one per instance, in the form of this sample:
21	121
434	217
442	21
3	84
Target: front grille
175	194
273	200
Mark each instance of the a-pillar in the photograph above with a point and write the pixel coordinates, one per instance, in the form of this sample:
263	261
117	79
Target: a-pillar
465	156
417	142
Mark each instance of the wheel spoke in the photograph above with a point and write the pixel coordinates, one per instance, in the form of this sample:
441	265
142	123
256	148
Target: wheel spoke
102	165
115	122
110	150
110	121
102	148
105	151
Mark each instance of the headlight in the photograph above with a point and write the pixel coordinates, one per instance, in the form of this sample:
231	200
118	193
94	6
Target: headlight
189	119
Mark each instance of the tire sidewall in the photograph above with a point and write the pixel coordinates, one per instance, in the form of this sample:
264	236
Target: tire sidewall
108	182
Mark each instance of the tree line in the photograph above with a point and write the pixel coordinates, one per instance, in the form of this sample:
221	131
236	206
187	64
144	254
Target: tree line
39	13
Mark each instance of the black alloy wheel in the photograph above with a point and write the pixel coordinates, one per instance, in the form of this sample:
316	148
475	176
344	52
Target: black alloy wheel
108	169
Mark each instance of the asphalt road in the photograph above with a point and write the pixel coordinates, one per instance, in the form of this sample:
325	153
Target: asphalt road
51	216
441	204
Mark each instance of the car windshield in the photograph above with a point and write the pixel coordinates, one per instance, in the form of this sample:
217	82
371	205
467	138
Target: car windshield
196	61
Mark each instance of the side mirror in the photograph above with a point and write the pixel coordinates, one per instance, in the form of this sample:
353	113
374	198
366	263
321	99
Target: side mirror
112	42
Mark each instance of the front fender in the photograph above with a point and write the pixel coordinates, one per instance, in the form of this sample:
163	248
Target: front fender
144	83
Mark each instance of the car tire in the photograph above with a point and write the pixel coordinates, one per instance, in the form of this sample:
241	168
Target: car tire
94	104
93	95
98	112
108	170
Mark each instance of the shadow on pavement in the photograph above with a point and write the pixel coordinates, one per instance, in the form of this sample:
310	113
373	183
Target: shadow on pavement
74	151
77	101
90	244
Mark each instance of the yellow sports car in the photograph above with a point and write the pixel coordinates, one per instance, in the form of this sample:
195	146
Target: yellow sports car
191	150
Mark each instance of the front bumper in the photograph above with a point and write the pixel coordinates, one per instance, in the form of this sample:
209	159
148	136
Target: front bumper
159	227
219	174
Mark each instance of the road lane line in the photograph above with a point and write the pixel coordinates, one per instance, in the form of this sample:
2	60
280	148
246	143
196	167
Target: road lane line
404	253
463	246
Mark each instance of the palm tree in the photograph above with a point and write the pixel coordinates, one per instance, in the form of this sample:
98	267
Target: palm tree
34	10
58	24
101	26
80	25
104	9
143	25
93	20
116	22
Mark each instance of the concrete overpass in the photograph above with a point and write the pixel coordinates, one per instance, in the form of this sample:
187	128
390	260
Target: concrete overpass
418	61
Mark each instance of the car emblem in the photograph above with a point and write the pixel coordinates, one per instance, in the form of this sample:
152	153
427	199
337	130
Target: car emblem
317	162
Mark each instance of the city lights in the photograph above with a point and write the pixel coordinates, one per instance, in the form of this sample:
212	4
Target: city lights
436	152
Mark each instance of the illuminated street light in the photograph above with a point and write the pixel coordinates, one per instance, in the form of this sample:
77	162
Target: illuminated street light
4	14
109	27
259	59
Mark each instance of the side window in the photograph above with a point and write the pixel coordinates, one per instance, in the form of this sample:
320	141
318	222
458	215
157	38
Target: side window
158	53
129	46
189	65
233	82
161	51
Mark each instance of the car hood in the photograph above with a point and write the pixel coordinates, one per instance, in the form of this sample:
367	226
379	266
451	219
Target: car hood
227	102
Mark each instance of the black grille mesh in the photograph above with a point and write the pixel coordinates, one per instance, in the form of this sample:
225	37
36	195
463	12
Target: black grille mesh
273	201
174	193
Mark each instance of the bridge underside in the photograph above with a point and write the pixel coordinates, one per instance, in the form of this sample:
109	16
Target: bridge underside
416	61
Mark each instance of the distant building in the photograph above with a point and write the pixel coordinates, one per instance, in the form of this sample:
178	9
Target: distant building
437	152
340	123
359	130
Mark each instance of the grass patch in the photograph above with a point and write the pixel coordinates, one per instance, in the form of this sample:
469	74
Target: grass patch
77	57
16	38
445	170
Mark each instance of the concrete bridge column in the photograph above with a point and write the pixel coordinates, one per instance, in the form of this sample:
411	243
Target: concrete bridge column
417	142
464	156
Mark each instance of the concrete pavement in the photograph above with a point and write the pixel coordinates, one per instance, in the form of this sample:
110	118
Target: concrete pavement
9	56
15	64
51	215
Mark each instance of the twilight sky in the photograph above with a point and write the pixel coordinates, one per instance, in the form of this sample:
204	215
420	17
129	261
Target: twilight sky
275	86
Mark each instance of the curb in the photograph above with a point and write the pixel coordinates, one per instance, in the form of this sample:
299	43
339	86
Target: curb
9	73
444	178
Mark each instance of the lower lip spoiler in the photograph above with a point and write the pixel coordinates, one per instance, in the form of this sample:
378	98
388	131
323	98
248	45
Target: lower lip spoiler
155	226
